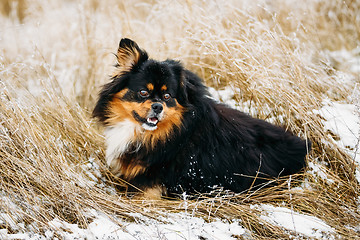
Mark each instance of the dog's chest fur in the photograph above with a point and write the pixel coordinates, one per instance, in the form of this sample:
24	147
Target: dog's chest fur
118	139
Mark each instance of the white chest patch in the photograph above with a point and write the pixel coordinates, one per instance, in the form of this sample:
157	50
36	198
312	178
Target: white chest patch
118	139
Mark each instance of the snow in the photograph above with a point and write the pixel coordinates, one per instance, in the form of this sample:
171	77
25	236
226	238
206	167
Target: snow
180	226
307	225
318	169
343	120
346	59
184	226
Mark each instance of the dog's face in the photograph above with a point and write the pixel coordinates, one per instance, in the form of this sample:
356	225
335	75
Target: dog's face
148	98
145	92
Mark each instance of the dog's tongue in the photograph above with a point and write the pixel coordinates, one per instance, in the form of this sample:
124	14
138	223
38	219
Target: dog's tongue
153	120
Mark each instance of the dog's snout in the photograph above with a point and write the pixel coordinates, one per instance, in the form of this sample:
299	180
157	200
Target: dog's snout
157	107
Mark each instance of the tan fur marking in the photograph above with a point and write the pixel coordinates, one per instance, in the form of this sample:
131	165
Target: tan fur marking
131	170
163	88
115	167
119	110
154	193
150	86
126	170
122	93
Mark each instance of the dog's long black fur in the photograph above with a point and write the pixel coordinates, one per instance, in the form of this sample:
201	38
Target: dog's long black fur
215	145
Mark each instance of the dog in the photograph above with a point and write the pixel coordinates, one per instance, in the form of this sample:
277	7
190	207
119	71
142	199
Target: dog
165	135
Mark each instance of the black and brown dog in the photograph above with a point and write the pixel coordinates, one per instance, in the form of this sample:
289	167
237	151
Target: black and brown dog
164	133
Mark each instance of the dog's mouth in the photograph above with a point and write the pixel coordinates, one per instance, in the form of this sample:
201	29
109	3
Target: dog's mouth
149	123
152	121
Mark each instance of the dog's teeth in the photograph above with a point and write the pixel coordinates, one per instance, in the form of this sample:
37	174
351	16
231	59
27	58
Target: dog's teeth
152	120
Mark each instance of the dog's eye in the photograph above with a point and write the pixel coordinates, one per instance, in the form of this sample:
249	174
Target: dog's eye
144	93
166	96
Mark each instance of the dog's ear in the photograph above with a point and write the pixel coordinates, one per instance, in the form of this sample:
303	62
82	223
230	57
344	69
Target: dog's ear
190	87
179	72
182	94
129	55
193	87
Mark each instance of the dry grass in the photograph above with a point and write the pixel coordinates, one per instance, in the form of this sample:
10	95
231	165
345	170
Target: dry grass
55	55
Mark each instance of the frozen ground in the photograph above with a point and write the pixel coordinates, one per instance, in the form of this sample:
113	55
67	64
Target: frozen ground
178	226
306	225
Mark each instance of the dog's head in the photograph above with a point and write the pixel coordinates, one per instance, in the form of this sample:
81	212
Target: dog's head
151	94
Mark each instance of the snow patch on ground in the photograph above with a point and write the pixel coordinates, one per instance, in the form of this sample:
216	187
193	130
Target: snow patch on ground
307	225
346	60
319	170
343	122
178	226
225	95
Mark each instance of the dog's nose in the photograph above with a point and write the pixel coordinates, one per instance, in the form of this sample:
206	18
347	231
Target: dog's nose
157	107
